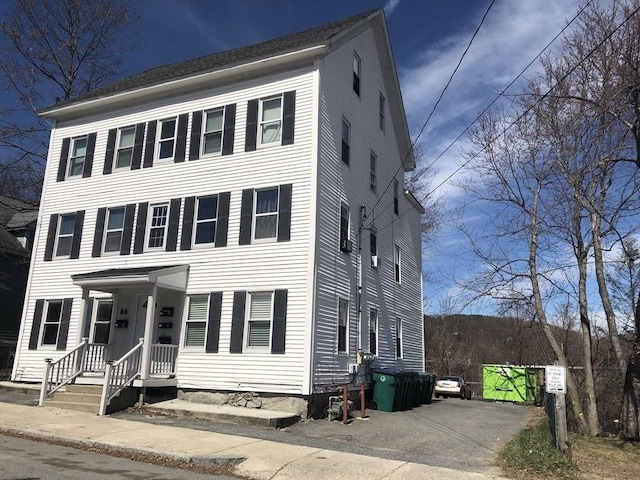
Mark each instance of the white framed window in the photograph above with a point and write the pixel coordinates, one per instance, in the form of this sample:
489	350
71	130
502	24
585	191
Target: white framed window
259	318
124	153
382	108
398	337
357	64
373	171
343	325
113	230
373	246
166	143
373	330
396	188
212	132
397	263
64	235
205	220
102	322
51	324
345	224
196	323
346	134
77	155
157	225
265	216
270	130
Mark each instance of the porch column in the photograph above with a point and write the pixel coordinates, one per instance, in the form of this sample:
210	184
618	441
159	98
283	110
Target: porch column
82	324
148	332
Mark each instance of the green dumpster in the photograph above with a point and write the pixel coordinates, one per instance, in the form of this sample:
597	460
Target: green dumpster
429	382
386	389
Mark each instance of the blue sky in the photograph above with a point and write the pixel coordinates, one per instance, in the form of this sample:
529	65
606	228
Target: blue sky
428	38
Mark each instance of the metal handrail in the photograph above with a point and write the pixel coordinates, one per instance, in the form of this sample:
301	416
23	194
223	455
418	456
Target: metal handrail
119	374
63	371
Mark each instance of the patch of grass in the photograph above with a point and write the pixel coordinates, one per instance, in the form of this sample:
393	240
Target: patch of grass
606	457
531	453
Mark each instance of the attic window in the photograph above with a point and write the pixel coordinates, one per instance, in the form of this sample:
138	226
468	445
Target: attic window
356	73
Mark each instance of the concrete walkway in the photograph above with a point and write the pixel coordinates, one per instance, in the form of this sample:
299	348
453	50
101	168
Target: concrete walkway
252	458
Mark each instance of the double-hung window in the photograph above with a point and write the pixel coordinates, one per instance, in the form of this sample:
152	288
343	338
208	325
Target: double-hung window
167	138
126	141
266	213
205	220
114	229
344	228
343	324
346	133
373	168
196	324
212	132
52	320
102	324
77	156
398	337
382	112
396	188
259	318
397	262
356	73
64	236
373	330
157	226
270	130
373	247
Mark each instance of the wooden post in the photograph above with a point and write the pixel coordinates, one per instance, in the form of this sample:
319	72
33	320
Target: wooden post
345	404
561	422
362	401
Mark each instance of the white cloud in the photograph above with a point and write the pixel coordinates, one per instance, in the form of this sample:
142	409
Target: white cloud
390	6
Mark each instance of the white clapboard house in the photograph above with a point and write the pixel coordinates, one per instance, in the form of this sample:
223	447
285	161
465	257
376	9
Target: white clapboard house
236	222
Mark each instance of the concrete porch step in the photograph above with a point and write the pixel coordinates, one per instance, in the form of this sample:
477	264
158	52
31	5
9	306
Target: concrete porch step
82	407
90	389
76	397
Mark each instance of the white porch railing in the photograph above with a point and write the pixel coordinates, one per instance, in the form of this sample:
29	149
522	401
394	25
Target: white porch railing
96	357
63	371
118	375
163	359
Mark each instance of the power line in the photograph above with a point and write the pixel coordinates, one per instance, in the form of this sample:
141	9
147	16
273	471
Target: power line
455	70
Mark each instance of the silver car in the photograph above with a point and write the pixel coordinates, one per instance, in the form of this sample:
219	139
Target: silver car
452	386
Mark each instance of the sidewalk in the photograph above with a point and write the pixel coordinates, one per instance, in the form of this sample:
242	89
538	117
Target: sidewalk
253	458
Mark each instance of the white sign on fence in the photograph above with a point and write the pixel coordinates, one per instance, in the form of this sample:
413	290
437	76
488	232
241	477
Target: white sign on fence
555	379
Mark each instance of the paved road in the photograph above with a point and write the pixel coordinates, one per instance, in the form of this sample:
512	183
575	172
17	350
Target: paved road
453	433
22	459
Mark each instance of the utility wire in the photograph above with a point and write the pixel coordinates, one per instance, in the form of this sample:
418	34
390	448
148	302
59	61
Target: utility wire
546	94
435	106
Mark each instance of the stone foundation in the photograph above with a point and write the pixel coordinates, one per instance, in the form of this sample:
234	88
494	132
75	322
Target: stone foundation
295	405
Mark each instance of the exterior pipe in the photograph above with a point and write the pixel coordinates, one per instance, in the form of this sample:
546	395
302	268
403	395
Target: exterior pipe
362	409
345	404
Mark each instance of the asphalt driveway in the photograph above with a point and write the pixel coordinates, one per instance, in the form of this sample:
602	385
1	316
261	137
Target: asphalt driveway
453	433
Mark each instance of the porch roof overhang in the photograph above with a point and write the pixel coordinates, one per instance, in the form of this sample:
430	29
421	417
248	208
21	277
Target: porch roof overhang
171	277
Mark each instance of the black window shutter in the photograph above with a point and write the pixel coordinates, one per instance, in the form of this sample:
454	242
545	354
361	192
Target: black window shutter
51	237
99	233
127	233
88	158
222	223
150	144
284	213
229	129
137	147
141	226
246	216
288	117
64	157
187	223
213	327
172	230
279	321
64	324
108	156
181	141
77	234
35	325
196	130
237	322
87	318
252	126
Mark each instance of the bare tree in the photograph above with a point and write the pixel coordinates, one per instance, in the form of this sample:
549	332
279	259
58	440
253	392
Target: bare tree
51	51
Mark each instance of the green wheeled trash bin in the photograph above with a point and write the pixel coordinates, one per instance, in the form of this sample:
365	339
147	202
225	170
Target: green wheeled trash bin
387	385
429	382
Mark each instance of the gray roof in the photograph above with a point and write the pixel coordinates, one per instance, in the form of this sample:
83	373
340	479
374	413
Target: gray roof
121	272
288	43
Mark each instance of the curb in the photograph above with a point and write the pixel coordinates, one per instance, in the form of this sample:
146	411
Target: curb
84	444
